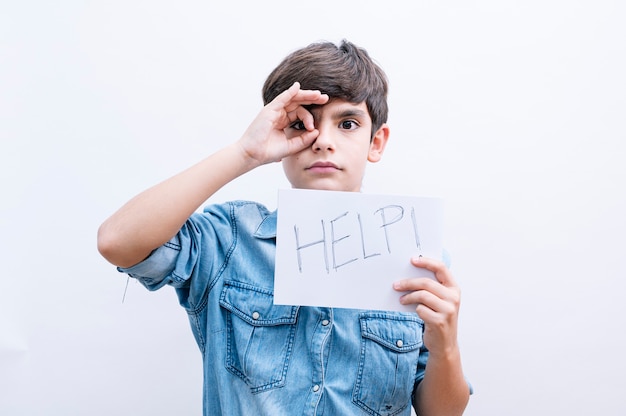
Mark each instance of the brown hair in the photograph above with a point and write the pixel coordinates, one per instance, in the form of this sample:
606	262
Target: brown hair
343	71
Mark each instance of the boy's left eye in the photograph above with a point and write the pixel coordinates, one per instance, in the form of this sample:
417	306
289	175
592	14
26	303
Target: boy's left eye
348	124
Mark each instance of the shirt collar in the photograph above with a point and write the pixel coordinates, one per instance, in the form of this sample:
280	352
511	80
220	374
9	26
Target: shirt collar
267	228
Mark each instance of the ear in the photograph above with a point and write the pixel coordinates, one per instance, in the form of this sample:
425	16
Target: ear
378	143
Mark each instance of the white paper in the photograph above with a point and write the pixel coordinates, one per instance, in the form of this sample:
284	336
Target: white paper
345	249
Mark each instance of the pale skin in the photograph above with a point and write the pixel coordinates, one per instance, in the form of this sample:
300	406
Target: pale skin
325	148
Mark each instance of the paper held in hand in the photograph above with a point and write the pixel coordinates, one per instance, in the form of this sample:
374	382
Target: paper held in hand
345	249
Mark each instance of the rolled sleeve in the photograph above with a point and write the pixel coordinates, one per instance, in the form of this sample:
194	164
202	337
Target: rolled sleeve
187	254
155	270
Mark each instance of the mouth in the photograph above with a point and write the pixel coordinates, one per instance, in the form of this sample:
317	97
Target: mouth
323	167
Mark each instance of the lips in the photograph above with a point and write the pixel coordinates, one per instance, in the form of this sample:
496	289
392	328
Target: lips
323	167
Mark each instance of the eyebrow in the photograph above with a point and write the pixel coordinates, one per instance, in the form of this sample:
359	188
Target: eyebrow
351	112
343	113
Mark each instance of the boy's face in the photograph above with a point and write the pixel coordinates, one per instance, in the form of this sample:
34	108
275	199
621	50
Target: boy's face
337	158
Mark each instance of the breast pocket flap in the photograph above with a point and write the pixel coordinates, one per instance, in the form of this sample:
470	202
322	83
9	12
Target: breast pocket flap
397	332
256	305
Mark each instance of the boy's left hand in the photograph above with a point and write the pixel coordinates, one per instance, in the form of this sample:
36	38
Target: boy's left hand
437	303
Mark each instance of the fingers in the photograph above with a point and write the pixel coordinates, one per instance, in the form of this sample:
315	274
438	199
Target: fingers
306	117
436	302
439	269
442	295
294	98
420	283
446	302
286	96
297	143
442	274
265	140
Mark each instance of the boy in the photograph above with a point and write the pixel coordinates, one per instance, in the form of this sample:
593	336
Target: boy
324	117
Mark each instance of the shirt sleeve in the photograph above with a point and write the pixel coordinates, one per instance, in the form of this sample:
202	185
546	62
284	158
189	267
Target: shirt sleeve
421	364
157	270
200	244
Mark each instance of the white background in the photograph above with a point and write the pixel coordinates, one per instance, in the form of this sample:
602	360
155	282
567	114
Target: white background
513	111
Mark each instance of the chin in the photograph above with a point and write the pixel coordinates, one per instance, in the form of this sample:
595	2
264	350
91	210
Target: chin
325	186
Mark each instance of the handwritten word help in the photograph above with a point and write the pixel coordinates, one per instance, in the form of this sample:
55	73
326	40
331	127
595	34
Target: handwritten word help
355	235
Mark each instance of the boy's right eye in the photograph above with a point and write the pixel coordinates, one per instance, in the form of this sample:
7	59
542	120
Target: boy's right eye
298	125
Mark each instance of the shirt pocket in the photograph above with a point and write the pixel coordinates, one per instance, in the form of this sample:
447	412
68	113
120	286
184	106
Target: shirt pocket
390	348
259	335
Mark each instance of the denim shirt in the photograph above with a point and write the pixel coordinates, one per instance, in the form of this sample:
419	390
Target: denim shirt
266	359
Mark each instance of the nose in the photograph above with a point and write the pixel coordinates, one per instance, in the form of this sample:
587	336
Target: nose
324	141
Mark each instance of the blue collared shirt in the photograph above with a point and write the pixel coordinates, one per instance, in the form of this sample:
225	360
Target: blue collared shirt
266	359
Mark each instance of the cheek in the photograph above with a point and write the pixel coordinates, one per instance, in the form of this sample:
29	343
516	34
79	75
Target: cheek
289	163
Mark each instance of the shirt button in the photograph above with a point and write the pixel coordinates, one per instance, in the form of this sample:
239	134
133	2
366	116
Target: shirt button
325	322
316	387
399	343
256	315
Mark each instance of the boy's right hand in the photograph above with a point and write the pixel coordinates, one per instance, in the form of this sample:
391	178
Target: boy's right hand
265	141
